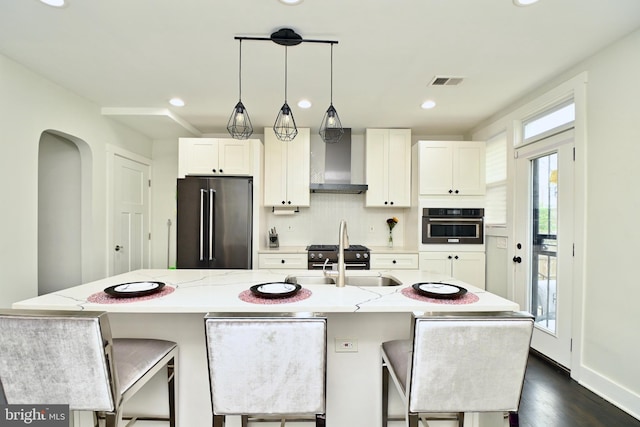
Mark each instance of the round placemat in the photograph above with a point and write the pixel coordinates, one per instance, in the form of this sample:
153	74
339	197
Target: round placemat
248	296
468	298
103	298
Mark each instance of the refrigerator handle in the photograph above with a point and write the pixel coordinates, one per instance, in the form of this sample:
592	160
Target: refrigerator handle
202	193
211	210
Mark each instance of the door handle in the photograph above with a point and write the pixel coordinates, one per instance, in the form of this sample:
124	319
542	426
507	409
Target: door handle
202	193
517	259
211	223
118	247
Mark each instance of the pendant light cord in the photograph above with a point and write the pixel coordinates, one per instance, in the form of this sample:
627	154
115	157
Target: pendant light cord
285	74
240	74
331	92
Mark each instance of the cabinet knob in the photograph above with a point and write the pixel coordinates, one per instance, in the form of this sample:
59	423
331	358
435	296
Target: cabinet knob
449	257
283	202
517	259
386	203
454	191
391	203
282	261
289	202
213	170
394	261
223	172
450	191
456	257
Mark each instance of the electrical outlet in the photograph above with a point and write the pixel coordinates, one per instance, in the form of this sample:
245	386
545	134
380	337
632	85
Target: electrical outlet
346	345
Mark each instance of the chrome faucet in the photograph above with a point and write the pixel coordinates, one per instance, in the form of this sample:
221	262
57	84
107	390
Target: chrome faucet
343	242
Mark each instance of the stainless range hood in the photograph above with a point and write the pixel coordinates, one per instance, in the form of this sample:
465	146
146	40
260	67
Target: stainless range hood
337	169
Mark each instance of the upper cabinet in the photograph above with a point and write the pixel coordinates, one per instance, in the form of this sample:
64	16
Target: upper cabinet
454	168
214	156
286	169
388	167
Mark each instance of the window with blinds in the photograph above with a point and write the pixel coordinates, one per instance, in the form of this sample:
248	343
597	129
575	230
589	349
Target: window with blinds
495	212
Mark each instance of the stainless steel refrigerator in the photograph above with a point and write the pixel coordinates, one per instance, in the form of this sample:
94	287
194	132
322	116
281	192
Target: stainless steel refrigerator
214	222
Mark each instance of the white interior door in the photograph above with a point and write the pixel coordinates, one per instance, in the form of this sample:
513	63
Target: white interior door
131	215
543	258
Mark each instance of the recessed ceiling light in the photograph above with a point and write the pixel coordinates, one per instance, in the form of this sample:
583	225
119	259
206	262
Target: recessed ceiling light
524	2
304	103
176	102
428	104
54	3
291	2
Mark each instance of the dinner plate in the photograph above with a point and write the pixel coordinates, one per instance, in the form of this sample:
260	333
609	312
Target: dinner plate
134	289
275	289
439	290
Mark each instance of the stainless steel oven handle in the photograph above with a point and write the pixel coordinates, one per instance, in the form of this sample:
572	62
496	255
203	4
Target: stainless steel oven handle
202	193
454	220
352	265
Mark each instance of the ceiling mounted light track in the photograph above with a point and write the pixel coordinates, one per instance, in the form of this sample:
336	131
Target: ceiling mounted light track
285	125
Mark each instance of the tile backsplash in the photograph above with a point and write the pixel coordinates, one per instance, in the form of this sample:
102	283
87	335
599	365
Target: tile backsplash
318	224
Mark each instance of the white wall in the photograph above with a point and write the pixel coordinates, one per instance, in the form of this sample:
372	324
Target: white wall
30	105
608	347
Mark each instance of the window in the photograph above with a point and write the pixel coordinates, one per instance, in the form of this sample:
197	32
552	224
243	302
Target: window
495	212
552	121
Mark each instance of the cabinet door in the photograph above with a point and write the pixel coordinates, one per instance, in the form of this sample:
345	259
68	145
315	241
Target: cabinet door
298	168
399	167
436	167
234	157
436	262
469	168
377	167
470	268
197	156
275	170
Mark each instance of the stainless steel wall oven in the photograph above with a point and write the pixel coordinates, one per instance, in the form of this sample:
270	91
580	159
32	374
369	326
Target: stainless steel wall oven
452	226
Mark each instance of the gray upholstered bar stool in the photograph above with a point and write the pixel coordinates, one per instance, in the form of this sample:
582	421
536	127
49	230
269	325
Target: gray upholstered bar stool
266	365
69	357
457	363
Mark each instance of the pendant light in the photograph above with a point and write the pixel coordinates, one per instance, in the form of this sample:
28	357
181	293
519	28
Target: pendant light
285	126
239	125
331	128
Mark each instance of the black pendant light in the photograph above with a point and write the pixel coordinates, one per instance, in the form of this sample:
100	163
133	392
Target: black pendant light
331	128
285	125
239	125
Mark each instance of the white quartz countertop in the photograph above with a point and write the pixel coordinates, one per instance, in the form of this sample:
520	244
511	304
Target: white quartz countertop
201	291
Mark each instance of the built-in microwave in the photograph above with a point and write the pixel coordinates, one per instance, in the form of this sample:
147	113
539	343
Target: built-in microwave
452	226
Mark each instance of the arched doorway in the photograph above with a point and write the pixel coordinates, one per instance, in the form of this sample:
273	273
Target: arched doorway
64	185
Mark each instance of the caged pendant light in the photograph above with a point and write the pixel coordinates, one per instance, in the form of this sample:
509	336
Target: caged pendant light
285	125
331	128
239	125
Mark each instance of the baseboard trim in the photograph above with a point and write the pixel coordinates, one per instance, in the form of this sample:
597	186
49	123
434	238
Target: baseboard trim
548	361
610	391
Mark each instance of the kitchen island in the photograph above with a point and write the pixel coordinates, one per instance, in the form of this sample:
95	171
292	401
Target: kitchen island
363	315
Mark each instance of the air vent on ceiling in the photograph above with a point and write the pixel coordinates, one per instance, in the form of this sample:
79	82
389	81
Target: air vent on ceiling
445	81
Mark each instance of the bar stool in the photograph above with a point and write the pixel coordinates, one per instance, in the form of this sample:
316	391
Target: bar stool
457	363
69	357
265	365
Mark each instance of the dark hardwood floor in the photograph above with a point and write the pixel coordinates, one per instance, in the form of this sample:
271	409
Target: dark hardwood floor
550	398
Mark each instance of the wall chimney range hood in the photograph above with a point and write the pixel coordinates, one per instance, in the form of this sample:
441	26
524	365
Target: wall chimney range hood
337	169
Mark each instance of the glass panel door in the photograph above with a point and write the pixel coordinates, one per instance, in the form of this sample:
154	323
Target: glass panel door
543	258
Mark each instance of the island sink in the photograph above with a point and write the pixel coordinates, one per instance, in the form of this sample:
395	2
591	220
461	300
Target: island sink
349	280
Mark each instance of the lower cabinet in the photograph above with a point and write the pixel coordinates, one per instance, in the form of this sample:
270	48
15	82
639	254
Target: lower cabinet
466	266
407	261
283	260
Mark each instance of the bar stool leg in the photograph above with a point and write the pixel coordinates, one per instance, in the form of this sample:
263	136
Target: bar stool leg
385	395
320	420
218	421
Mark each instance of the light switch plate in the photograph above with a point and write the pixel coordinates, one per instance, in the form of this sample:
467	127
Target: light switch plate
346	345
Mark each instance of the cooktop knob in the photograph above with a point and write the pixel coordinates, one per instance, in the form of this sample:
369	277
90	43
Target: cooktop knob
312	255
357	256
366	255
320	255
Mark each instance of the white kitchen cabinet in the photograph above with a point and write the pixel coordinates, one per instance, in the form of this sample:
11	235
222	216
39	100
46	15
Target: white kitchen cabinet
454	168
395	261
388	167
214	156
283	260
466	266
286	169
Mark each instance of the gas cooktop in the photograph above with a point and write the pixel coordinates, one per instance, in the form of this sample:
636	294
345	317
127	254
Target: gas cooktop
329	248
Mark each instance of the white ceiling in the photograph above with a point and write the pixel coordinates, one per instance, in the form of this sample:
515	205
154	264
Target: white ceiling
131	56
